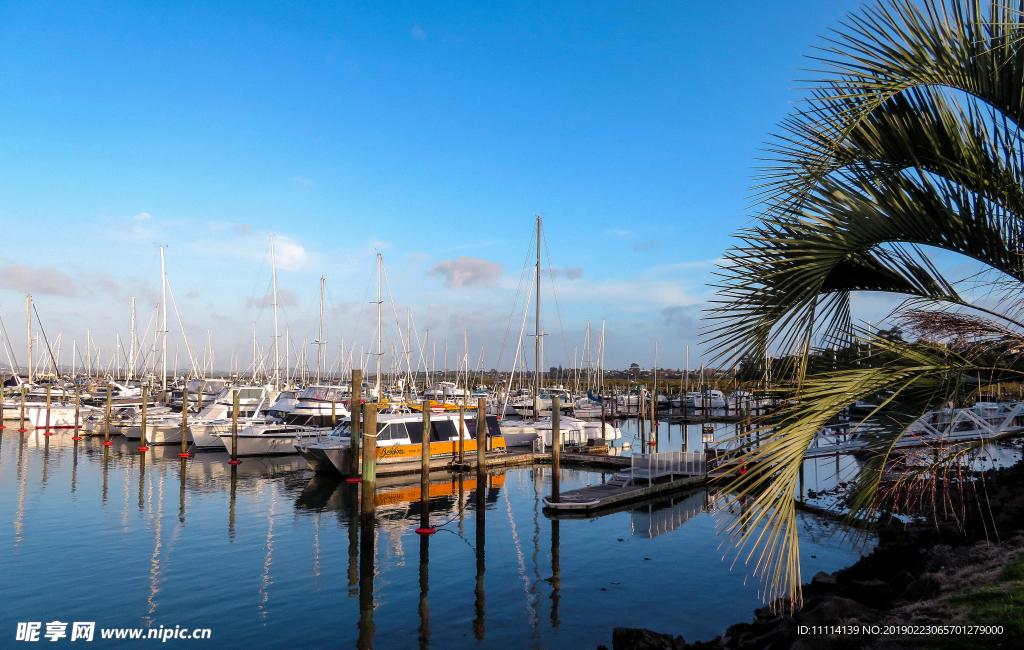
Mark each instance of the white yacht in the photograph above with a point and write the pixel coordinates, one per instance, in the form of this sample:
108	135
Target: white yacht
573	431
315	404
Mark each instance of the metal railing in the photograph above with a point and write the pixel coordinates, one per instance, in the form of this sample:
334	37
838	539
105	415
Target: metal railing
667	463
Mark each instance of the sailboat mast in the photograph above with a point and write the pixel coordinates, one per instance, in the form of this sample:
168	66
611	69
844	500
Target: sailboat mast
273	273
380	334
536	347
320	332
163	300
28	321
131	355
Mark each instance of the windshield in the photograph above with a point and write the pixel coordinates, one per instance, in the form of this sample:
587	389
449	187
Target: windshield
323	394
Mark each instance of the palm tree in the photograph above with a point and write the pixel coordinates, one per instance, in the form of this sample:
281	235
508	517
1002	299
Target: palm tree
910	144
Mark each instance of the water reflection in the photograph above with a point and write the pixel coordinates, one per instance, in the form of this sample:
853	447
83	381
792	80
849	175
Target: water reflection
549	584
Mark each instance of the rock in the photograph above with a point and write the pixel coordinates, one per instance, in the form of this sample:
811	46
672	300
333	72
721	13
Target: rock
900	581
765	613
821	583
835	609
873	593
637	638
924	587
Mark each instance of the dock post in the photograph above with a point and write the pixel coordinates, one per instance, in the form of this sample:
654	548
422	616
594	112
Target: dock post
334	414
21	428
556	448
425	527
184	422
604	423
78	403
481	440
142	423
462	427
3	394
369	478
46	429
234	428
357	409
106	421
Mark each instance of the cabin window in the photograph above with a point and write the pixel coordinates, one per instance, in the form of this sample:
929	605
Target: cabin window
383	432
443	430
250	393
415	430
398	431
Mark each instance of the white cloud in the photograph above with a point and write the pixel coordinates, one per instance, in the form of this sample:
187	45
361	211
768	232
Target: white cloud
44	281
466	271
418	33
299	180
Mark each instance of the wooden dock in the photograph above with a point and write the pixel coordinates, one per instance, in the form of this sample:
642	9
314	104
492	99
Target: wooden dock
608	495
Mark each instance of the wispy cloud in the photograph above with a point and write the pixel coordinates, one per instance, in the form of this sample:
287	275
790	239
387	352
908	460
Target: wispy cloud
466	271
285	298
418	33
44	281
646	246
308	182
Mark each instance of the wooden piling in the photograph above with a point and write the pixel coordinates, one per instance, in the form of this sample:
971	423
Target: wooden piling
481	439
106	421
369	478
462	427
357	408
142	423
334	414
21	428
425	527
556	448
234	428
184	422
46	430
78	404
3	394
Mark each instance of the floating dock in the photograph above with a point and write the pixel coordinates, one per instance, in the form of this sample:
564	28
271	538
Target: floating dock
647	475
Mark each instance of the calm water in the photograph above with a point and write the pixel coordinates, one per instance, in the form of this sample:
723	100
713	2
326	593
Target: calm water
272	556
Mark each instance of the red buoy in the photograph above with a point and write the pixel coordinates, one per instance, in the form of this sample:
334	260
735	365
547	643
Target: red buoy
355	480
426	531
77	438
143	448
184	455
108	443
234	462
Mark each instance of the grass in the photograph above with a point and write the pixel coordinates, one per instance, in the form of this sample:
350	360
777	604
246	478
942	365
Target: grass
999	603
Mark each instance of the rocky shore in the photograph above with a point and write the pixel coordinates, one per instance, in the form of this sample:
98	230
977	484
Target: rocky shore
966	570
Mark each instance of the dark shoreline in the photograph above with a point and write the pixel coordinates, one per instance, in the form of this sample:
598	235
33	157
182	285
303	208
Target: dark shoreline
924	574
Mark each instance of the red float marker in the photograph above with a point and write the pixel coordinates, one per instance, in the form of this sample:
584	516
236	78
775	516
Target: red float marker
426	531
108	443
143	448
353	480
234	462
184	455
22	430
76	438
48	433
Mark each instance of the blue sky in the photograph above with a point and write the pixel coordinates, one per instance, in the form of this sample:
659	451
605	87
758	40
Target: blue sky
432	132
